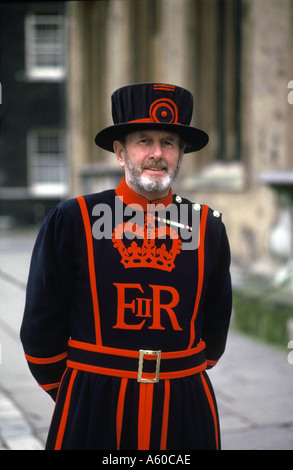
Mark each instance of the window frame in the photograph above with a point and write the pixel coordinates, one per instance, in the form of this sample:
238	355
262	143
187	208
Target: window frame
50	162
34	70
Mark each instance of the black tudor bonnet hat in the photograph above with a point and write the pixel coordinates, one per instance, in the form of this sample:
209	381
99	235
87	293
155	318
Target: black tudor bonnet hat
152	106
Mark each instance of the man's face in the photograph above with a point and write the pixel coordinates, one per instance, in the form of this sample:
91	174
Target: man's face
151	160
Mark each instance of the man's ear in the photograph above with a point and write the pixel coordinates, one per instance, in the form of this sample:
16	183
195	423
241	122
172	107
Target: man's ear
119	152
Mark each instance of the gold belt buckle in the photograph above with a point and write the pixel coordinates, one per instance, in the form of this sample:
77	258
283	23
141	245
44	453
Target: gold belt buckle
145	352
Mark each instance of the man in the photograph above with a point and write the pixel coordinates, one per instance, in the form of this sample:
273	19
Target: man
129	293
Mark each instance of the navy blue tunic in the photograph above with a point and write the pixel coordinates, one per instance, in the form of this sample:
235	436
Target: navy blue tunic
110	277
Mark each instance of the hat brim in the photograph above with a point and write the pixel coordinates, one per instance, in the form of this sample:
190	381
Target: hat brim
194	138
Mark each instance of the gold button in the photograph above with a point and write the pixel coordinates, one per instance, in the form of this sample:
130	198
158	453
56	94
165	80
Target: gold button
178	199
216	214
196	207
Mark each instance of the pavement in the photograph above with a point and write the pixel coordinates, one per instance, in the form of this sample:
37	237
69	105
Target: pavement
253	381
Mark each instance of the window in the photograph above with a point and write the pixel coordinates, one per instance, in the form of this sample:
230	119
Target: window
219	57
45	47
229	80
47	163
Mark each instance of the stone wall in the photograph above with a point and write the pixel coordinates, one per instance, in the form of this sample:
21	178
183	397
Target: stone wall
116	42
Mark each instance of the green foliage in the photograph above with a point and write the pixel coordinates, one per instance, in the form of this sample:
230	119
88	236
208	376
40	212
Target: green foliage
262	317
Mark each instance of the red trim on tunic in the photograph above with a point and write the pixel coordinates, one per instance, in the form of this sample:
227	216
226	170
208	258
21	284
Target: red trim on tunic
200	271
133	375
145	415
48	387
131	353
212	407
131	198
91	264
46	360
64	416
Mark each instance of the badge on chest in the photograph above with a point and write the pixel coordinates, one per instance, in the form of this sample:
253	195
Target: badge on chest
135	310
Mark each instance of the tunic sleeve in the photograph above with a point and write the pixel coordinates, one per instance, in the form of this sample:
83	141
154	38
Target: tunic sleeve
218	304
45	326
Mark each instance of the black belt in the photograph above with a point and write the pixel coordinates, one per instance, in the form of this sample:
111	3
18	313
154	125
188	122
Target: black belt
145	365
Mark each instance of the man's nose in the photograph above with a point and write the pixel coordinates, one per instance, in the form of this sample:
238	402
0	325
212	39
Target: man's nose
157	150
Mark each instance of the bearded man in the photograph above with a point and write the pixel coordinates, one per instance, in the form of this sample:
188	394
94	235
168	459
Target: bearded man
120	326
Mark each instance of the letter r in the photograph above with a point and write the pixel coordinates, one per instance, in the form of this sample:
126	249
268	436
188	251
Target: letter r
158	306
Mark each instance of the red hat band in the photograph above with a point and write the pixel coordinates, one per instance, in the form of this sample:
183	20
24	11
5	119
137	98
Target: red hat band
163	110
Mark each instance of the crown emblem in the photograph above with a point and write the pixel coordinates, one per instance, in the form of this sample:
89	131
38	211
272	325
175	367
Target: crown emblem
149	251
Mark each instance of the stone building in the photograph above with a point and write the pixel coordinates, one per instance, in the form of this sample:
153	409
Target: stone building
235	56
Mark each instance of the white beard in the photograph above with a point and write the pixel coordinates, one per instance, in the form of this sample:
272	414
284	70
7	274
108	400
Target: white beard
154	184
150	184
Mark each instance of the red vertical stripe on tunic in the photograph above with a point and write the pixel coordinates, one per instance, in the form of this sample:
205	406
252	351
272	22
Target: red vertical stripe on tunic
92	271
145	415
213	408
64	416
202	230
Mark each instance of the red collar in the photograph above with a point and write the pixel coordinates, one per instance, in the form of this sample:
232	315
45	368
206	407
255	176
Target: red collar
129	197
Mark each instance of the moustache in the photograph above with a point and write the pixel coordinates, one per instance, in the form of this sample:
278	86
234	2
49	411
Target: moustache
155	165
